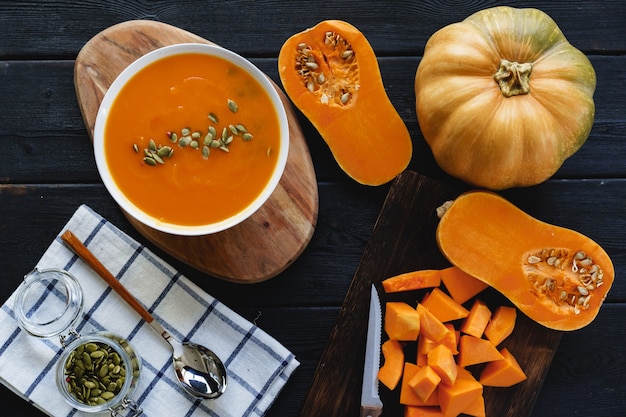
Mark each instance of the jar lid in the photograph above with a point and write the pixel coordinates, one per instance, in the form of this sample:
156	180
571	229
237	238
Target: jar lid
48	302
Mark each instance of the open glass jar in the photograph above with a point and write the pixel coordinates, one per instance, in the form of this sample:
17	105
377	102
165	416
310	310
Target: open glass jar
96	372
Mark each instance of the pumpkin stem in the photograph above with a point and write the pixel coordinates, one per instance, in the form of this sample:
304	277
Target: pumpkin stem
513	78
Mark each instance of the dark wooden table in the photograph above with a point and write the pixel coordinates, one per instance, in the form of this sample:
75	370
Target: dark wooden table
47	167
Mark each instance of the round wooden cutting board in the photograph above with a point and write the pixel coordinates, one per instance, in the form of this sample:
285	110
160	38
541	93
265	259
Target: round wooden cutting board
258	248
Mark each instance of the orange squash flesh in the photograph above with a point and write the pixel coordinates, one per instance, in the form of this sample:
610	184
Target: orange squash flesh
461	286
430	326
443	306
331	74
425	382
501	324
454	399
473	350
422	411
477	319
408	395
503	373
390	373
441	360
414	280
556	276
402	322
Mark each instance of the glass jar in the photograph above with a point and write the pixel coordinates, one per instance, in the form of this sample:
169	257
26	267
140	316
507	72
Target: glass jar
96	372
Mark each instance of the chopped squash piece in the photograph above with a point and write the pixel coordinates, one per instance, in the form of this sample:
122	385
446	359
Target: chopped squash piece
407	395
501	324
442	362
503	373
425	382
476	408
473	350
451	339
430	326
454	399
477	320
443	306
419	411
390	373
424	345
402	322
464	373
414	280
461	286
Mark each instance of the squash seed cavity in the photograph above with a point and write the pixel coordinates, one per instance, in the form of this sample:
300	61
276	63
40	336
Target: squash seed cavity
329	69
568	278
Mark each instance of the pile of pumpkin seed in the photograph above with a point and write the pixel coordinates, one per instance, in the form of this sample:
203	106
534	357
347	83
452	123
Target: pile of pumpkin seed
205	141
95	373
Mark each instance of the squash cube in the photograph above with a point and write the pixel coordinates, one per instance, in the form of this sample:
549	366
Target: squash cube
407	395
460	285
454	399
501	324
477	320
430	326
443	306
442	362
502	373
473	350
390	373
402	322
424	382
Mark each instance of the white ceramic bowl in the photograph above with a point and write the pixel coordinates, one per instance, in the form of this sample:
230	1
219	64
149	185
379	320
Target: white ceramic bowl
125	203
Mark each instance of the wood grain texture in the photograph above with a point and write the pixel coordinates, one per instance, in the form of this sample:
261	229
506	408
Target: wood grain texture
403	240
256	249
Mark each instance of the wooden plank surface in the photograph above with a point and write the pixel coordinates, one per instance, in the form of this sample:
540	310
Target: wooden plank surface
260	247
47	167
404	240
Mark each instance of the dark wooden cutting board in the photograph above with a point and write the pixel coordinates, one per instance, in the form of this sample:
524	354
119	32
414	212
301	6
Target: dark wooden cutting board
258	248
403	240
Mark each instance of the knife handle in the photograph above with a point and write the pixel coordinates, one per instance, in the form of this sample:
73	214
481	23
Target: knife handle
371	411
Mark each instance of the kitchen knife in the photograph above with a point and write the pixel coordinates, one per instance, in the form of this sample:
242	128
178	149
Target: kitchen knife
371	406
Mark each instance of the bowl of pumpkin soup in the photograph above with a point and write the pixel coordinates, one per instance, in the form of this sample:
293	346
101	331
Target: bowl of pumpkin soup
191	139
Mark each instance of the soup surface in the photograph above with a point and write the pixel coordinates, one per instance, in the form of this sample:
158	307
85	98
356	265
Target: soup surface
171	99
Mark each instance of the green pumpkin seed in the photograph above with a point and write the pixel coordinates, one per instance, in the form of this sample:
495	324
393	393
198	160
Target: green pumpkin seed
233	106
213	117
247	136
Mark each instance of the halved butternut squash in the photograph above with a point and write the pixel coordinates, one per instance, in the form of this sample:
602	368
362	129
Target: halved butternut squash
556	276
331	74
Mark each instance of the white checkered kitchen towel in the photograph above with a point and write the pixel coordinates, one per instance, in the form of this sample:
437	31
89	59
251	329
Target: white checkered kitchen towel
258	366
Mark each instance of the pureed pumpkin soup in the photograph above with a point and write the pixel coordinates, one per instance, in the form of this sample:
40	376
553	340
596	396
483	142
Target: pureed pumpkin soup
193	139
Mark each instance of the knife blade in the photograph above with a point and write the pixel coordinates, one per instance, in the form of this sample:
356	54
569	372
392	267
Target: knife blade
371	405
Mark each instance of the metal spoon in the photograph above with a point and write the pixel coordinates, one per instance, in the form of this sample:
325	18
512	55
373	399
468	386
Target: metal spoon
198	369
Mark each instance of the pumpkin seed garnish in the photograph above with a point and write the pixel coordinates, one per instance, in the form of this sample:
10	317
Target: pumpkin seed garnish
196	139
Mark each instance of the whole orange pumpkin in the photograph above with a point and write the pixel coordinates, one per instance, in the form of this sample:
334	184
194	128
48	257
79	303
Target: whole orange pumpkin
503	98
